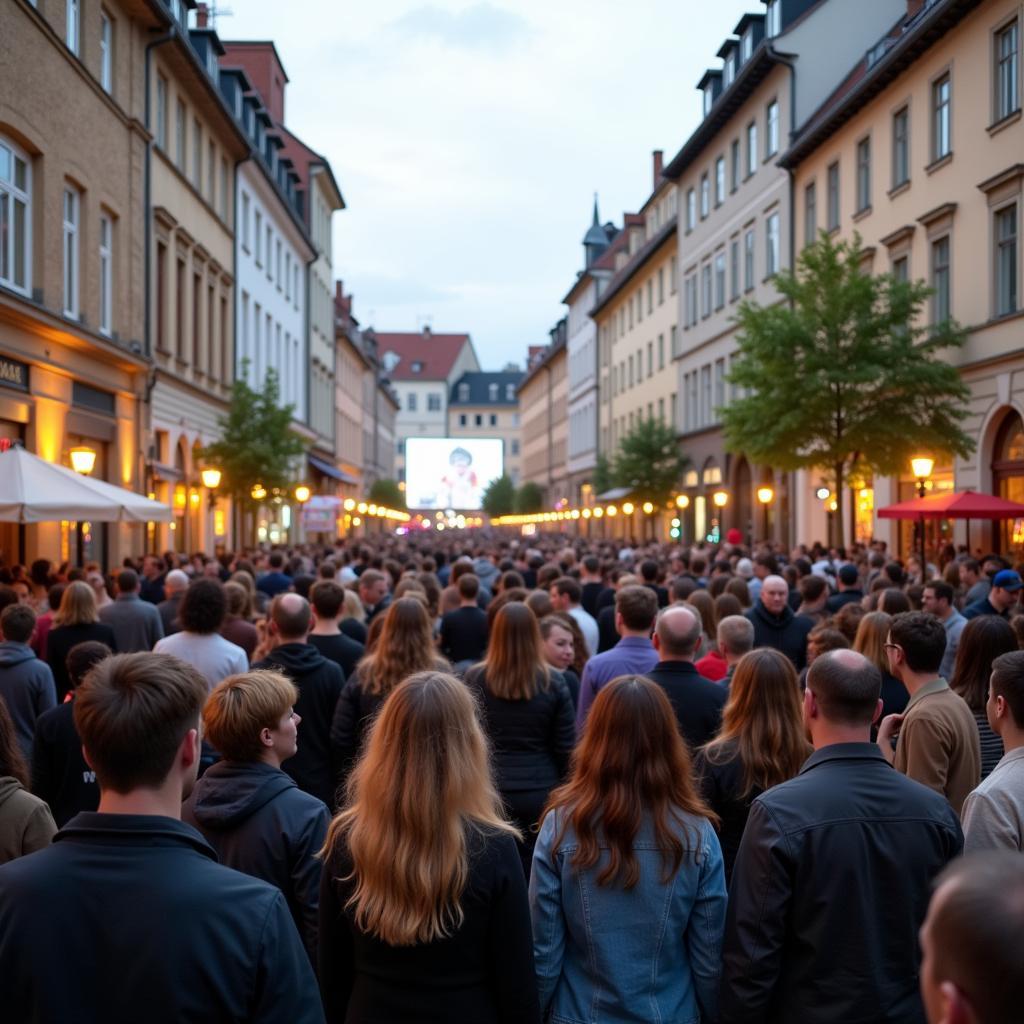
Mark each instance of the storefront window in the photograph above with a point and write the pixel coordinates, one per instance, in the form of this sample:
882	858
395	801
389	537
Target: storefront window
1008	478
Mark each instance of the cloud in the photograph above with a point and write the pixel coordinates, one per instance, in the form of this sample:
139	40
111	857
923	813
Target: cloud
482	27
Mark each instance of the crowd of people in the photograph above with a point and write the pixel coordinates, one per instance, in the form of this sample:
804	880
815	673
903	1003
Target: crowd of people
506	779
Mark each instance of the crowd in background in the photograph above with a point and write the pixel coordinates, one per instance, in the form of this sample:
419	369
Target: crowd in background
496	778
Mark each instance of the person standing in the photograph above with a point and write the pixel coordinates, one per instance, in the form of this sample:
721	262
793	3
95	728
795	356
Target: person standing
77	621
849	590
566	595
559	648
811	935
179	915
136	623
175	584
1001	597
937	599
151	586
870	640
26	683
735	637
274	581
26	824
976	583
373	592
591	584
328	600
776	626
423	909
463	636
627	892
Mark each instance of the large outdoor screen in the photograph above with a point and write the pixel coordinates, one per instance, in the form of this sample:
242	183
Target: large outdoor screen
450	472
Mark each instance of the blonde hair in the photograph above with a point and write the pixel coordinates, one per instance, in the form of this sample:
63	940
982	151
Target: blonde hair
872	632
514	667
352	606
423	781
77	605
404	645
240	707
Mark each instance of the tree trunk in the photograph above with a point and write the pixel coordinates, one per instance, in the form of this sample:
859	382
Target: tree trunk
839	518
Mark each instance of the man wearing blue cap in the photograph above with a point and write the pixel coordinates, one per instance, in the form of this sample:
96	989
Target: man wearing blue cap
1001	598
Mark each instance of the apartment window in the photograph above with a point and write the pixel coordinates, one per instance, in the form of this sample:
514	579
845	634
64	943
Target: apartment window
106	52
705	196
493	420
650	358
689	302
72	212
661	410
179	310
673	271
748	260
433	402
719	384
901	147
15	218
510	392
691	210
197	333
223	189
197	155
720	181
940	280
211	170
942	94
161	112
772	243
1007	84
410	401
709	99
734	269
277	265
863	175
629	363
734	160
705	395
1006	260
810	213
463	392
661	285
751	148
772	125
462	419
673	335
295	284
106	272
650	297
179	136
161	297
746	45
73	27
661	351
773	18
288	276
515	446
901	269
270	253
705	287
245	221
833	197
492	392
720	280
259	239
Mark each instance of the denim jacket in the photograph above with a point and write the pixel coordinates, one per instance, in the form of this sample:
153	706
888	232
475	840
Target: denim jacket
605	955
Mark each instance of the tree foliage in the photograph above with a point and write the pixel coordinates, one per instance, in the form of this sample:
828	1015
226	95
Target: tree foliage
529	498
844	374
500	496
387	493
257	444
603	479
648	461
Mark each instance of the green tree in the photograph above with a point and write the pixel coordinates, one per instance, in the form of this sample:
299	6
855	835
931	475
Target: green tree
603	480
529	498
648	461
500	496
387	493
844	374
257	444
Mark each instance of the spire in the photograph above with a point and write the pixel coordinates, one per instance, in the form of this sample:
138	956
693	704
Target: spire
597	219
595	241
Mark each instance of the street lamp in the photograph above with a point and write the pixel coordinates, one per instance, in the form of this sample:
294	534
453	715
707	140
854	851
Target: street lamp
921	466
302	494
83	459
259	492
648	507
823	494
720	498
683	501
765	495
627	508
211	478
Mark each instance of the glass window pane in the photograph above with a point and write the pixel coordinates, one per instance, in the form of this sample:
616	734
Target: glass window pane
5	240
20	244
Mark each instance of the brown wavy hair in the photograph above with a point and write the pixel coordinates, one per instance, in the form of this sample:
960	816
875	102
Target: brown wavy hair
630	763
405	645
872	633
423	782
762	722
514	666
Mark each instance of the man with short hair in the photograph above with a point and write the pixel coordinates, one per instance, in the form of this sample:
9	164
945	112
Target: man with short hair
463	637
373	592
151	587
765	565
937	741
832	877
1004	594
566	595
776	626
697	701
319	684
978	585
636	608
275	581
148	925
26	682
937	600
136	623
994	812
328	600
971	942
735	638
848	583
174	586
591	584
649	574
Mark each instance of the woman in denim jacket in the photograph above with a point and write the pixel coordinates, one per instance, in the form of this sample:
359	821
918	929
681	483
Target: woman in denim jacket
627	892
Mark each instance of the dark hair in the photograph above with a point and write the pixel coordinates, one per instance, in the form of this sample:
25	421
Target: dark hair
17	622
327	597
893	601
982	640
591	563
302	582
727	604
649	570
468	586
12	760
204	606
290	624
127	581
1008	681
846	687
638	606
942	589
132	712
923	639
683	587
566	586
82	658
812	587
826	639
276	560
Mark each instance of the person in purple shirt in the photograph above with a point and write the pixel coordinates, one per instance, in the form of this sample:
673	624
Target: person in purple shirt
636	608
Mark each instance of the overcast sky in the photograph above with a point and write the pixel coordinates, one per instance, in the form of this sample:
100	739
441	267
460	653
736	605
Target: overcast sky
468	139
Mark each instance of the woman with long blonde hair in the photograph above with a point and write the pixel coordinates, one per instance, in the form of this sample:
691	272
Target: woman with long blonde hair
405	646
627	892
528	714
423	912
872	634
76	621
761	743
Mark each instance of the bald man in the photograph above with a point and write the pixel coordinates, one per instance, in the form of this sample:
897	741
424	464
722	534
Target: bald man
697	701
775	624
319	683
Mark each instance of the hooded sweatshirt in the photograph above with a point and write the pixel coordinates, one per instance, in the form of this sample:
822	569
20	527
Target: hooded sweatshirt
26	687
319	682
785	632
26	824
261	823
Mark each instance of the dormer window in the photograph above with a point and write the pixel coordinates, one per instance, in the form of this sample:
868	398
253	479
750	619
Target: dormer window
211	62
417	367
709	99
463	392
773	18
390	360
746	45
510	392
492	392
730	69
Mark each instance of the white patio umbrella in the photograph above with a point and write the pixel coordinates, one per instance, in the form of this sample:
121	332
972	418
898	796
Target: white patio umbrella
33	490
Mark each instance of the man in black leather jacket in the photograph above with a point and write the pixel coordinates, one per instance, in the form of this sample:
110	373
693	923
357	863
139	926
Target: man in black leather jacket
833	875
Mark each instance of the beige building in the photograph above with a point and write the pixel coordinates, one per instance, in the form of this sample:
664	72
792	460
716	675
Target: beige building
483	404
921	154
543	415
351	398
72	309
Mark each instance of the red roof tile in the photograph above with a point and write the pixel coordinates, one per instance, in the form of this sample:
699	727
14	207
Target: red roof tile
436	353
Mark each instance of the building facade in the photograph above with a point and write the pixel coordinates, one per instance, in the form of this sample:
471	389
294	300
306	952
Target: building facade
544	416
487	405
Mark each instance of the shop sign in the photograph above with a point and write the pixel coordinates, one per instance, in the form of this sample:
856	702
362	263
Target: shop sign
13	374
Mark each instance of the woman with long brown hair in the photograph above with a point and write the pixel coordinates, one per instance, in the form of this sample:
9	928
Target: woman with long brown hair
761	743
627	893
405	646
528	714
423	912
872	634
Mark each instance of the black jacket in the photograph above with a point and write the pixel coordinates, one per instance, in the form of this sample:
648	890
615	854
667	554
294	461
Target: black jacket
786	632
829	889
319	682
844	597
591	592
607	634
261	823
59	642
464	635
352	714
129	917
531	740
697	701
60	775
341	649
482	974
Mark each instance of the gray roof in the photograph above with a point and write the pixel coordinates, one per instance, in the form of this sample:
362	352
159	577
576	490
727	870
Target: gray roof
480	388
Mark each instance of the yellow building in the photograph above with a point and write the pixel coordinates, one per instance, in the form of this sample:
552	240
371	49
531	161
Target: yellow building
543	415
486	404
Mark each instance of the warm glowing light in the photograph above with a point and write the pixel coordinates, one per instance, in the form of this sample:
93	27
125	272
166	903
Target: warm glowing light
180	497
833	505
598	512
585	513
357	521
361	508
611	510
401	485
720	498
302	494
922	467
211	478
83	459
193	499
575	513
648	507
765	495
823	494
683	501
350	503
627	508
372	509
259	492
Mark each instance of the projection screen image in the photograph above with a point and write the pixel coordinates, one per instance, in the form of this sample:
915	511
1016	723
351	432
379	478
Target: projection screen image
450	472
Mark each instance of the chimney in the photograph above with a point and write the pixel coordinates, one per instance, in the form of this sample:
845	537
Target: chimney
426	332
202	16
659	157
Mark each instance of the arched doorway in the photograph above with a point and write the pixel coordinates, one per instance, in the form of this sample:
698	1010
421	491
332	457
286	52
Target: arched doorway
741	516
1008	476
